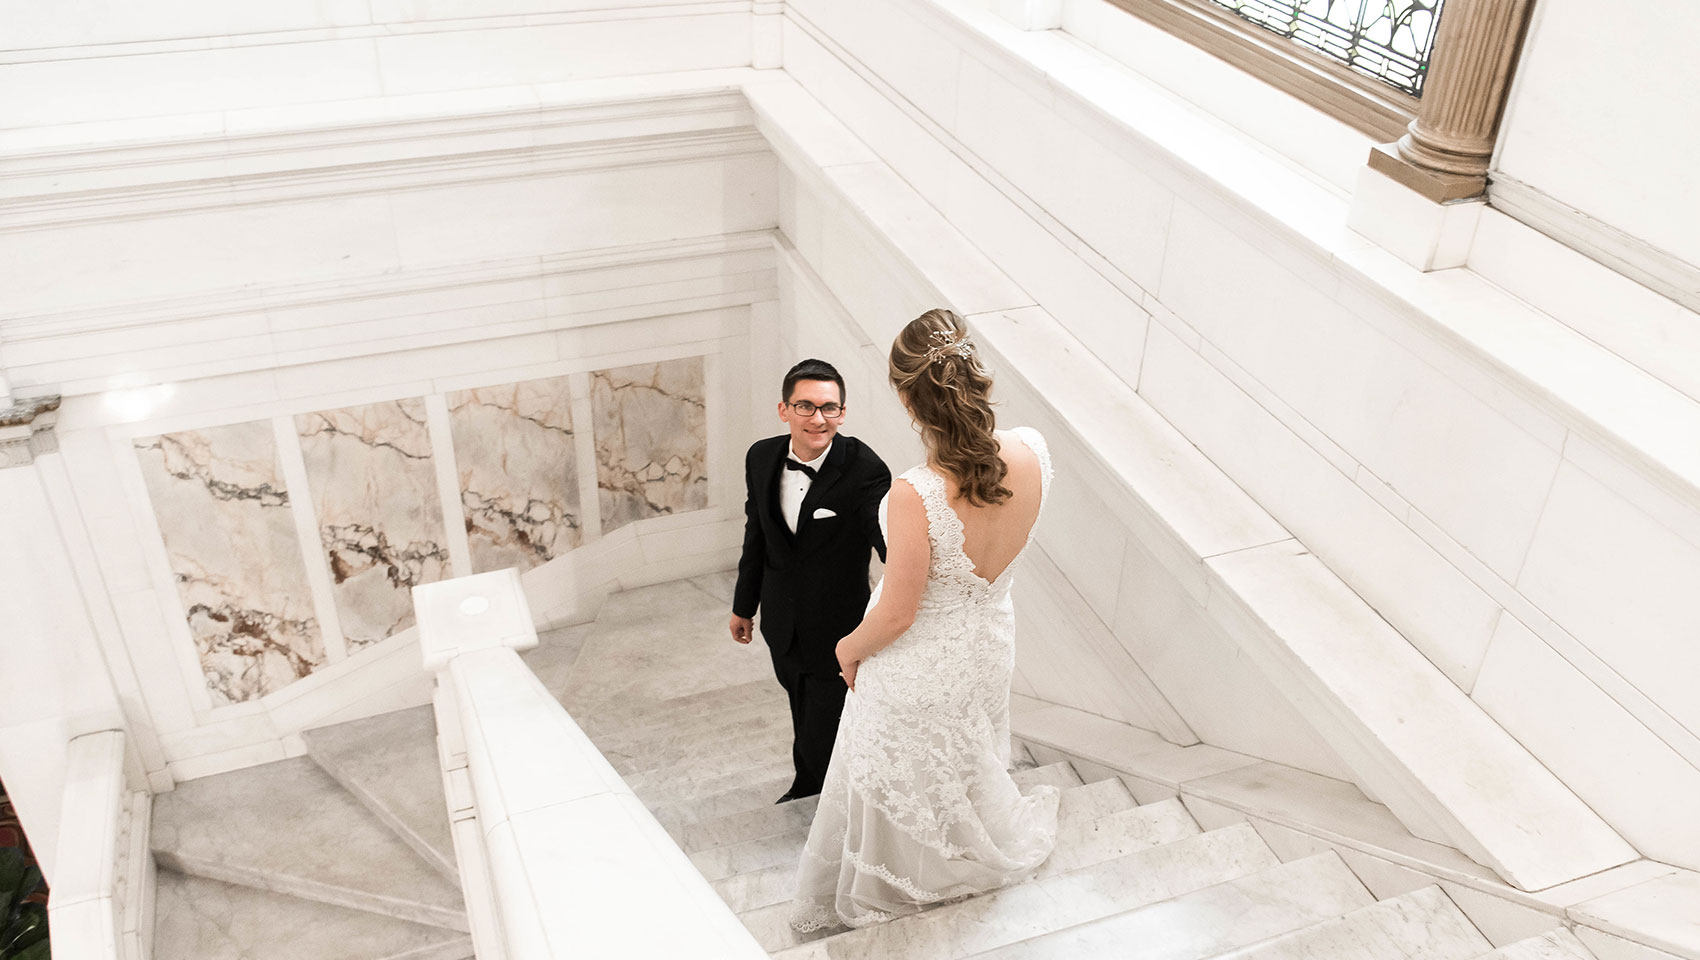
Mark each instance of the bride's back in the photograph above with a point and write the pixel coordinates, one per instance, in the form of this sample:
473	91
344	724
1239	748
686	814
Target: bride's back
994	534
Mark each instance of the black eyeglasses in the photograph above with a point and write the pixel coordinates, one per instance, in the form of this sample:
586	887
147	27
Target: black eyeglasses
831	411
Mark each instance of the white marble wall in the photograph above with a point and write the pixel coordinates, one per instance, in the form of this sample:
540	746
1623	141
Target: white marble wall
1467	465
651	441
516	460
200	57
224	514
380	524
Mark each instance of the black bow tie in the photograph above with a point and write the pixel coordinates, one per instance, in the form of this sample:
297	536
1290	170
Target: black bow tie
791	464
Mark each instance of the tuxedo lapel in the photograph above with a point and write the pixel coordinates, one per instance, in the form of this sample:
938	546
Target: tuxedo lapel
768	480
826	477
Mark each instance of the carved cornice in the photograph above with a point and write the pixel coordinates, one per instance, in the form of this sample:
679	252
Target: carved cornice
26	430
52	188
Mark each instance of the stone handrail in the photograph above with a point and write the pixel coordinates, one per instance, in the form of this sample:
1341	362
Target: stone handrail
557	857
99	863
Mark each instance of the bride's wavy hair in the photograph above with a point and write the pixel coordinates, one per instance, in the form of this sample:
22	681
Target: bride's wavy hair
937	373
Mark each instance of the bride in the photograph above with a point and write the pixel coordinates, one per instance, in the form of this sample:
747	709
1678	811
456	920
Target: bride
918	806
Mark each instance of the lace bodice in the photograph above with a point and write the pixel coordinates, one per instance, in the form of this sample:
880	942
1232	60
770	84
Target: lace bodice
951	580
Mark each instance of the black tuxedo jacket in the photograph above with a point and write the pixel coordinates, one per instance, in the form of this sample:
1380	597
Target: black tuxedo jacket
811	586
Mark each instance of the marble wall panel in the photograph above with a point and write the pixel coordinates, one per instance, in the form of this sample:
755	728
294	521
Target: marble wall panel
380	521
224	514
651	435
518	470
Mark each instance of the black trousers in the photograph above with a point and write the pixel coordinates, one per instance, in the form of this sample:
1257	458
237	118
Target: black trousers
816	701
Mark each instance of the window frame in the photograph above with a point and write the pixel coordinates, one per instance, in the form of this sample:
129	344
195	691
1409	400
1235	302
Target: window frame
1357	100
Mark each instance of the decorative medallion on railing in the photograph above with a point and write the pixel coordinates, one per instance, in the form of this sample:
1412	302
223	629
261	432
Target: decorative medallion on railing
1390	40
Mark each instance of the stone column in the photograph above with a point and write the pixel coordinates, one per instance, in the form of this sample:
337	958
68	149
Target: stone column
1445	154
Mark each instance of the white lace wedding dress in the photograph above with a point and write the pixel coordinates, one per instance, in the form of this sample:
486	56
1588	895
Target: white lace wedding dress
918	805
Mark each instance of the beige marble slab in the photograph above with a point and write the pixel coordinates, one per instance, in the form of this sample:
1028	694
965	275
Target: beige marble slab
1033	909
683	791
517	461
1118	834
1420	925
737	800
718	863
1059	775
1558	944
380	520
1088	802
1213	920
1662	913
289	828
651	440
745	892
224	514
390	764
199	919
671	729
763	821
770	751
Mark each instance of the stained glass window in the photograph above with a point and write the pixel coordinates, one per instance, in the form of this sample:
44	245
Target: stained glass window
1389	40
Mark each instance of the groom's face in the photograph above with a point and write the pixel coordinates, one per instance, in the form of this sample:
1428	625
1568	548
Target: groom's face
811	434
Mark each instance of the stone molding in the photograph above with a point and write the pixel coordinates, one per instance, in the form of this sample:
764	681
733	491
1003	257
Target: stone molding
166	177
1656	269
26	430
599	12
479	289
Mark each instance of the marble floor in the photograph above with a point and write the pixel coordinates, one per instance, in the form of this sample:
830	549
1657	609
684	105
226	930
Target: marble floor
700	731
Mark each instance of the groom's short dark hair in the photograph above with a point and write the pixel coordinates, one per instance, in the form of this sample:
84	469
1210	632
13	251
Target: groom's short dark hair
812	369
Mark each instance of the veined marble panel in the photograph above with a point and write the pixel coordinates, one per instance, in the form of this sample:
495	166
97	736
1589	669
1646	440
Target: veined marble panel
651	440
518	470
224	514
380	522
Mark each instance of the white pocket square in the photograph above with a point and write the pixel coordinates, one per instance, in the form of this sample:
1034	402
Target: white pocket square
821	513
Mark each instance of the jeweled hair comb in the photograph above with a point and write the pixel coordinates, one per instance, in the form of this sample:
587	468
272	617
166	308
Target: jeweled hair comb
946	343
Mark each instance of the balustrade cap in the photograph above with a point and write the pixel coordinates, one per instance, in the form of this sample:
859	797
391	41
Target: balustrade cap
478	612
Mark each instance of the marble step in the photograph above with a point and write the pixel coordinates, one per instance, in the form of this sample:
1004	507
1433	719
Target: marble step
718	863
1034	908
758	888
737	748
618	715
200	919
661	730
389	763
689	746
1559	944
1083	843
1088	802
675	816
1423	924
290	828
685	789
753	824
776	750
1060	775
1211	921
1093	824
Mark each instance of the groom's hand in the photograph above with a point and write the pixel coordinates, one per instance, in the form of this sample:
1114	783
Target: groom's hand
743	628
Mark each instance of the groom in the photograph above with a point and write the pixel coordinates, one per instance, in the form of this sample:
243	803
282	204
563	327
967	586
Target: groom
811	513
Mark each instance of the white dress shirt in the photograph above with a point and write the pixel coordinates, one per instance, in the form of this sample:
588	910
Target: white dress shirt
794	485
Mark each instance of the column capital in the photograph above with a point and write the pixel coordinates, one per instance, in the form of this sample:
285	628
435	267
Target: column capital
26	430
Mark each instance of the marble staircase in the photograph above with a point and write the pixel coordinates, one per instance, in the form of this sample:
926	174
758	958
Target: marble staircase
1128	879
344	852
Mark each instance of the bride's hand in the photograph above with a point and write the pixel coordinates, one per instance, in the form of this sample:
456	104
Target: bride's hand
846	666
